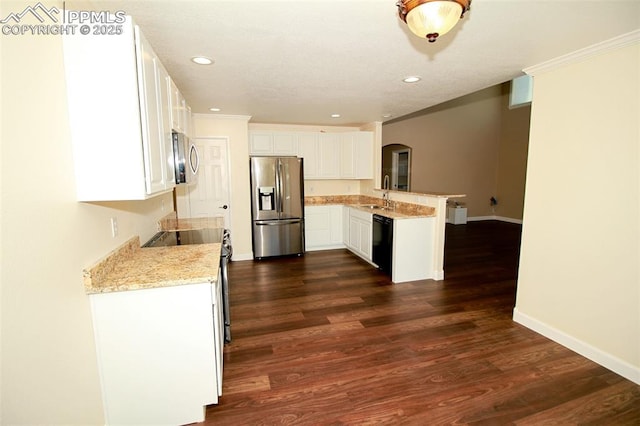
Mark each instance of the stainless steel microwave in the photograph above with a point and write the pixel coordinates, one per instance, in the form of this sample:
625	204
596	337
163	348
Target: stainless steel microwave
186	159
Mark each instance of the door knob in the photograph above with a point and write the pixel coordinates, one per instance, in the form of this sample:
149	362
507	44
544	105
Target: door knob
224	207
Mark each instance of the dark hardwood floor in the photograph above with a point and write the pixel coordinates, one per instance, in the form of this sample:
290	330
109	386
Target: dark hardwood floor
326	339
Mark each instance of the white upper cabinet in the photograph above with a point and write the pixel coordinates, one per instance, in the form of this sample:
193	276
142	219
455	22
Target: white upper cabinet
329	156
308	149
151	110
177	109
114	92
273	143
164	90
356	160
285	143
341	155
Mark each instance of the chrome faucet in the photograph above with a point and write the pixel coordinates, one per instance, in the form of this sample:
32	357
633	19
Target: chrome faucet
385	194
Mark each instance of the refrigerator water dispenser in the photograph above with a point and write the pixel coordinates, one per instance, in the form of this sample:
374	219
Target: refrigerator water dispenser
265	197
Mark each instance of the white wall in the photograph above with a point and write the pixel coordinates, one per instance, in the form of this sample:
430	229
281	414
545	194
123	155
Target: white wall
48	362
579	278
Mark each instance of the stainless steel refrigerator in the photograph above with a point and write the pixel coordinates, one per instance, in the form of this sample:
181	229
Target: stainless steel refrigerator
277	206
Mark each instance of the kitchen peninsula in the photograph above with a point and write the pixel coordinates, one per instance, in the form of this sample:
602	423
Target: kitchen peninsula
337	221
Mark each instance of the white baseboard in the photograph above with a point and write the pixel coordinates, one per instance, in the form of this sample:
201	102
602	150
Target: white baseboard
329	247
596	355
438	275
242	256
500	218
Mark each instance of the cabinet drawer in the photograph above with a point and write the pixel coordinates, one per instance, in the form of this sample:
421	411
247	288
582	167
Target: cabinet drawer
368	217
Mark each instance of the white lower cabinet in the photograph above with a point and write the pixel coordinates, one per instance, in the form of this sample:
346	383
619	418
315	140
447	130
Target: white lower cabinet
360	229
323	227
159	353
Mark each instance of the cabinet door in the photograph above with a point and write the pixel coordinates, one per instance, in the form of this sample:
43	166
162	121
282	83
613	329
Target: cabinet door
335	225
260	143
365	239
329	153
164	90
354	234
348	155
104	115
345	225
150	110
156	353
285	144
323	227
308	150
317	224
363	155
177	109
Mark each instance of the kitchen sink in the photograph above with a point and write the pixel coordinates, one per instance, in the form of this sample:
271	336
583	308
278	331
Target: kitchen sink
374	207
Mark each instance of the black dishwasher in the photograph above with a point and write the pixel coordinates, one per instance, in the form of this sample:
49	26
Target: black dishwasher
383	242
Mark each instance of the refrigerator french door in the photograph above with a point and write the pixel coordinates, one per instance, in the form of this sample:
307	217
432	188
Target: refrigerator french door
277	206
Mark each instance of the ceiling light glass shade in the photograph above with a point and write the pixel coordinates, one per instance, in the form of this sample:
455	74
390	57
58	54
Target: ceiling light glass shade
432	18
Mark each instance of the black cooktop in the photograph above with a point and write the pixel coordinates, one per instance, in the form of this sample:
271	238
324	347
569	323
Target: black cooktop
180	238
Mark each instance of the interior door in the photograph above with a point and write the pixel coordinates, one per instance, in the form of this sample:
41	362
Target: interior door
210	195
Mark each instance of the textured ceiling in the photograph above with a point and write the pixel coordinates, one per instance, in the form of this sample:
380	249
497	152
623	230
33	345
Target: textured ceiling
300	61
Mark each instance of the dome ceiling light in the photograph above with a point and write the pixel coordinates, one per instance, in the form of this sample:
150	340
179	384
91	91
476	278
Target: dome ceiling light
431	18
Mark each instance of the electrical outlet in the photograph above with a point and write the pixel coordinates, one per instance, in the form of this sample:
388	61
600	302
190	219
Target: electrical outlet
162	206
114	227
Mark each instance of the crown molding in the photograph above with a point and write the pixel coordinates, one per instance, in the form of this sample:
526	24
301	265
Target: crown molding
583	54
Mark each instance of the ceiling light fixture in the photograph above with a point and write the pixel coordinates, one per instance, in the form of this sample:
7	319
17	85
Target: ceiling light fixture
214	109
431	18
335	115
412	79
201	60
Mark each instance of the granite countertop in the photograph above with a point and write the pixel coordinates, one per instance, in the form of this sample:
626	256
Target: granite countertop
401	211
131	267
171	223
395	214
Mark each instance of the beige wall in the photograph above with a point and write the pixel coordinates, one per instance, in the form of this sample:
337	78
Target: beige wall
48	363
454	148
473	145
579	278
512	158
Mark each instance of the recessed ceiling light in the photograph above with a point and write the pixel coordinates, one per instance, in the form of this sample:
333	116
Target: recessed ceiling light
335	115
387	116
214	109
202	60
412	79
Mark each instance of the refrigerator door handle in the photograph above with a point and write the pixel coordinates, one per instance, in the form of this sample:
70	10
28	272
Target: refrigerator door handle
277	222
280	188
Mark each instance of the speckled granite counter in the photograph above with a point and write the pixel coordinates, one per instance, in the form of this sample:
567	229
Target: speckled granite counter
171	223
130	267
401	210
